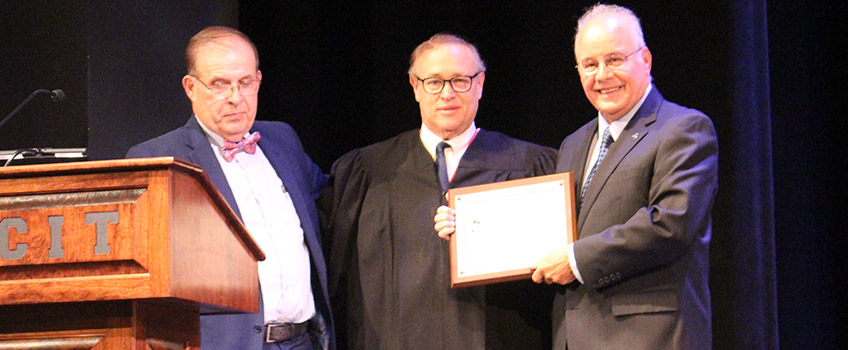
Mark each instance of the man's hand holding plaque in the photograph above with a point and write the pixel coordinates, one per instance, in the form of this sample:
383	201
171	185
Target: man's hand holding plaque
502	231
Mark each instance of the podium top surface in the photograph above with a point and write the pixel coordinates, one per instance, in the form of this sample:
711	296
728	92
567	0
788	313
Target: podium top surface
98	166
139	164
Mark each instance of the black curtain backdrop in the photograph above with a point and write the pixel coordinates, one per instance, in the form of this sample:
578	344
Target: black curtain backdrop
43	47
769	74
742	276
808	104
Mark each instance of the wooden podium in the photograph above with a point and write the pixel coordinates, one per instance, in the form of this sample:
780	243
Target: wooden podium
122	254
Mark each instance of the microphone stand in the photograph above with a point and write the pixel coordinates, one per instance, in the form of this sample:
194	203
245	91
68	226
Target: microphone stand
57	95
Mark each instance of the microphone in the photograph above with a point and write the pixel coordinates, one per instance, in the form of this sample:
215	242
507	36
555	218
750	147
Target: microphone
57	95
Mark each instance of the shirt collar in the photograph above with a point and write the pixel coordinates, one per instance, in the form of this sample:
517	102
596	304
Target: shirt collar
215	139
458	143
618	125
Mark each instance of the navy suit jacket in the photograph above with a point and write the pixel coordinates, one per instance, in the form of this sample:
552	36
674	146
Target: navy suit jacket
643	234
304	181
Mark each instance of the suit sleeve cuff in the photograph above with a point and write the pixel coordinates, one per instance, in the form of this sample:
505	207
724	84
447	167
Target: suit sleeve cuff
572	261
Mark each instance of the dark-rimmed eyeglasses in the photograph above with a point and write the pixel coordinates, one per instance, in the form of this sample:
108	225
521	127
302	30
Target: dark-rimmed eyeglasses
613	62
460	83
219	89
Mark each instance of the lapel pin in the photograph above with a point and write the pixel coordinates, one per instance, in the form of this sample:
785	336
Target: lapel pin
634	136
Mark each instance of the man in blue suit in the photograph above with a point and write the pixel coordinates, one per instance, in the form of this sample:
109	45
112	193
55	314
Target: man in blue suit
263	172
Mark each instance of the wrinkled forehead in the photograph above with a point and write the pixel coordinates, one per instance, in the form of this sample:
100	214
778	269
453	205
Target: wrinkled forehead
603	36
225	49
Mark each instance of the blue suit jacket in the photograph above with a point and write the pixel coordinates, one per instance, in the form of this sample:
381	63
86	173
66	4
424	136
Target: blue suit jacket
304	181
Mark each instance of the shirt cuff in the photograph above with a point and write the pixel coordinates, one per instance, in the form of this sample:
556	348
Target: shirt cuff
572	261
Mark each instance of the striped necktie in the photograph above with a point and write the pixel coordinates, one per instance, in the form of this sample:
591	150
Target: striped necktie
606	140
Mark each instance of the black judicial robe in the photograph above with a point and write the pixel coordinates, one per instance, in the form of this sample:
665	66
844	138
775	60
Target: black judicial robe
390	273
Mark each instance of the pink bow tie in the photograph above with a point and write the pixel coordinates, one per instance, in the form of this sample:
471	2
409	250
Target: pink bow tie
247	144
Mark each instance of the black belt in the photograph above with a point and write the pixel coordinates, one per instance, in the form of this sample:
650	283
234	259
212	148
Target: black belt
277	332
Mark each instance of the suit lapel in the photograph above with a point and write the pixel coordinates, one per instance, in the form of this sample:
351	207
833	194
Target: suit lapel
282	163
282	166
633	133
201	154
578	162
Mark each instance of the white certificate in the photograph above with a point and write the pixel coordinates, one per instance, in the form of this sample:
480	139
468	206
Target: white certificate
504	228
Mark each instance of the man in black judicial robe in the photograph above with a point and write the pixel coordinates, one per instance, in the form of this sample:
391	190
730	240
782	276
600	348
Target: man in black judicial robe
389	272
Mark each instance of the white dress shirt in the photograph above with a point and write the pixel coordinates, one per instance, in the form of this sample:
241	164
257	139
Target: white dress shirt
269	215
458	146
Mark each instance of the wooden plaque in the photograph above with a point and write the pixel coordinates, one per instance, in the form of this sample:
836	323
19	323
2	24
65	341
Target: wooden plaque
504	228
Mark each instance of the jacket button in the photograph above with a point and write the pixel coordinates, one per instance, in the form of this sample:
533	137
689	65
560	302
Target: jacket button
257	328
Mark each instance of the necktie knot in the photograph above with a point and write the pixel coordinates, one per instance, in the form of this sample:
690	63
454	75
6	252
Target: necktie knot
440	148
247	144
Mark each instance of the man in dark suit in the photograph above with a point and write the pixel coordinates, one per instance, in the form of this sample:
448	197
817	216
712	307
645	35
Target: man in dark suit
263	172
641	259
637	275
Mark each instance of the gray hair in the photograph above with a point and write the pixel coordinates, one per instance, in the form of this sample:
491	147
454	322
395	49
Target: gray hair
442	39
606	10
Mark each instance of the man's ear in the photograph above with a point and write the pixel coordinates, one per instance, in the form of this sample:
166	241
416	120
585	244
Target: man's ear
648	58
188	86
479	80
414	82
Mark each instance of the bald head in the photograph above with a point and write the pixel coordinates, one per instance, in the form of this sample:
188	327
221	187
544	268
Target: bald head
214	35
623	16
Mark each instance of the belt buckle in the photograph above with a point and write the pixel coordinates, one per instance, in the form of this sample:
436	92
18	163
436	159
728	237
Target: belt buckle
279	331
271	326
268	333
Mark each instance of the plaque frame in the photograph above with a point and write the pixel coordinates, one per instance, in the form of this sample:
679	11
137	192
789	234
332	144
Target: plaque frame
491	244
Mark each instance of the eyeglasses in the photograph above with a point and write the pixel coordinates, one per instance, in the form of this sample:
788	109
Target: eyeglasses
613	61
461	83
219	89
